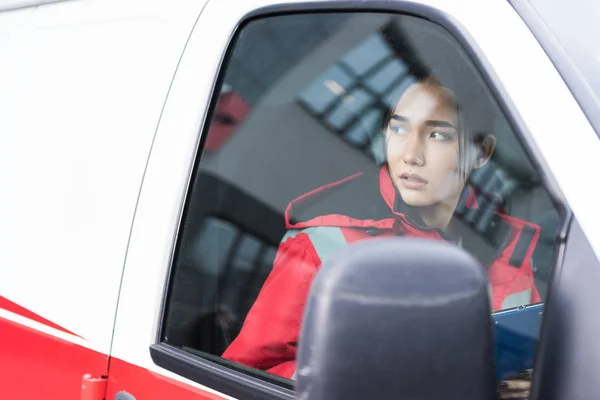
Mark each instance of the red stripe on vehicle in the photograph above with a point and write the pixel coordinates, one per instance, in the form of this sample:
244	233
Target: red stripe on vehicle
37	365
22	311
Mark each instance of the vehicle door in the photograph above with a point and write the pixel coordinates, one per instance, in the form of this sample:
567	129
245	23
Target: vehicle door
82	87
271	103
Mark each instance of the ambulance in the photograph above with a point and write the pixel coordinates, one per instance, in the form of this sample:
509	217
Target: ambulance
150	152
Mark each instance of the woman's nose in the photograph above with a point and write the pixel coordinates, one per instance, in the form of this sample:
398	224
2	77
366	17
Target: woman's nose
413	153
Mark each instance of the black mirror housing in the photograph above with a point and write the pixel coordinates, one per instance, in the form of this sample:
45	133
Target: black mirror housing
398	318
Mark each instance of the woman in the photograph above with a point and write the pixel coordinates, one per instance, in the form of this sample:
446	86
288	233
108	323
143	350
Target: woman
430	152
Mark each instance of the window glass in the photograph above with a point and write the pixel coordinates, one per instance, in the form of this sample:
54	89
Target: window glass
364	57
381	81
326	89
377	125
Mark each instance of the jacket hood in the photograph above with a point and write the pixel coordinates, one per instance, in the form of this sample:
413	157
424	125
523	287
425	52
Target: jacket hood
362	200
369	200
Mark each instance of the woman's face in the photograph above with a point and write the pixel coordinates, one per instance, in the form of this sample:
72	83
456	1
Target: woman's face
423	146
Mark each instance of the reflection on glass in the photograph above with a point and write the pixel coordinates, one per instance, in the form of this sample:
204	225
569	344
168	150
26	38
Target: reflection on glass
382	80
267	261
351	106
326	89
361	59
368	123
213	245
376	149
246	253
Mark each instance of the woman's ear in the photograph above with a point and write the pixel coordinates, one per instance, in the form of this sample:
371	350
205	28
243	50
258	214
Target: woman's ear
485	148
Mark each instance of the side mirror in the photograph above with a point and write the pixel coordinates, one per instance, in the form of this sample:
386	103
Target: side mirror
399	318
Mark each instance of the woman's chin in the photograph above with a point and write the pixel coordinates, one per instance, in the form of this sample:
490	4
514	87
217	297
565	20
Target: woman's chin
417	199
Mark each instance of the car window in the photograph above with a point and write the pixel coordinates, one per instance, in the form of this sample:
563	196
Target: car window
334	128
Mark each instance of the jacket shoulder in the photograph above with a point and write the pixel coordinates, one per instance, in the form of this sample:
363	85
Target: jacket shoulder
357	196
325	241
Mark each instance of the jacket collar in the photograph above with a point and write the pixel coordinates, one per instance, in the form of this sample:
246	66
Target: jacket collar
371	201
485	244
354	202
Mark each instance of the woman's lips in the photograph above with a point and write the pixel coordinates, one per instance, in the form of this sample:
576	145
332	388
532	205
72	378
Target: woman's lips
412	181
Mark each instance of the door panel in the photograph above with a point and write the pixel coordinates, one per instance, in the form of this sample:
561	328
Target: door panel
161	220
72	160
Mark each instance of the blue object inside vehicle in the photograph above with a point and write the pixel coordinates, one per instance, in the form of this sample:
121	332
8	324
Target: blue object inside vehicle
516	333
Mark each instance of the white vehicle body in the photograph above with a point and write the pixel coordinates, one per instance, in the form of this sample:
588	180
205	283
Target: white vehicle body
102	107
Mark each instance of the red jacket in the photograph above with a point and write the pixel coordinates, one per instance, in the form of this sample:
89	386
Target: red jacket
325	220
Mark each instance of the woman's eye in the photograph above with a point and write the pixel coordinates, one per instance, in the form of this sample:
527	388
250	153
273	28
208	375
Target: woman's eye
399	129
440	136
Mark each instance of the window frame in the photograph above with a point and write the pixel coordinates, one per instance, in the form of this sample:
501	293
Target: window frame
238	384
569	328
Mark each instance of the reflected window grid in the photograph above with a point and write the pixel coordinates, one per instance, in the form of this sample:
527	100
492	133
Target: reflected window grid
350	98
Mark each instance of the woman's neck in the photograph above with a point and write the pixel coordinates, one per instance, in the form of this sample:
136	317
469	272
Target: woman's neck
439	215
